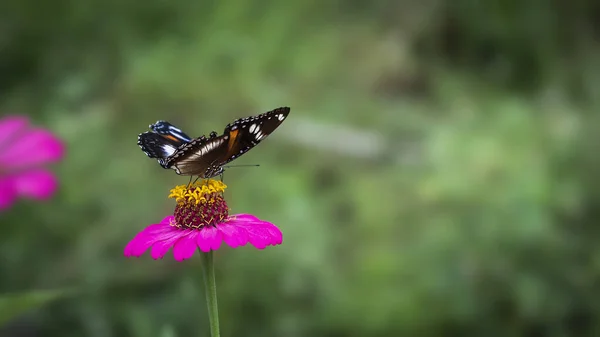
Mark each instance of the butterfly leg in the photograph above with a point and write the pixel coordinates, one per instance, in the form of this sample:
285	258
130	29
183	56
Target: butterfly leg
189	182
222	174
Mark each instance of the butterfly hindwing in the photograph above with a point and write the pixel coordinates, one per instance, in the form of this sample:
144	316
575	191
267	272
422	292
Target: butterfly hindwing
163	141
157	146
197	156
246	133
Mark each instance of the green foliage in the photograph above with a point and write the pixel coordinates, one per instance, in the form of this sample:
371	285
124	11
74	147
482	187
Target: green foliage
474	212
13	305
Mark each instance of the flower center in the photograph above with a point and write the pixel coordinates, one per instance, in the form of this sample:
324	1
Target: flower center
199	204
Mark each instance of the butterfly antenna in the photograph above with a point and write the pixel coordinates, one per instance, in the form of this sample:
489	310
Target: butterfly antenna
243	165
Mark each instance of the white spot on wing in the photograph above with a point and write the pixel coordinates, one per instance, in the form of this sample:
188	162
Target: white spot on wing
252	127
168	149
280	117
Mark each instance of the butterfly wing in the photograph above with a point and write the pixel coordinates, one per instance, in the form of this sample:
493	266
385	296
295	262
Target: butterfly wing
245	133
157	146
170	131
163	141
197	157
203	156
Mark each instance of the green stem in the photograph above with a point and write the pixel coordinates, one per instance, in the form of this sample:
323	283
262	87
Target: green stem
210	287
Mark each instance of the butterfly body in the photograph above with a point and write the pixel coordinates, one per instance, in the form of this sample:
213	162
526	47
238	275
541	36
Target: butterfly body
206	156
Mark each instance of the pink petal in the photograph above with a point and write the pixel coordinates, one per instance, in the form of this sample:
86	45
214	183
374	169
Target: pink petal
168	239
159	228
185	247
247	217
232	235
146	238
38	184
138	245
257	235
8	193
209	238
30	148
11	126
260	233
275	232
167	220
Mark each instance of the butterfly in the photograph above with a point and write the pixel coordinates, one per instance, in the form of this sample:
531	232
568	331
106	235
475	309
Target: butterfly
205	156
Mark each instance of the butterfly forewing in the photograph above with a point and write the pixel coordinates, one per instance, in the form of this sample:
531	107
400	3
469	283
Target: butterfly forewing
170	131
246	133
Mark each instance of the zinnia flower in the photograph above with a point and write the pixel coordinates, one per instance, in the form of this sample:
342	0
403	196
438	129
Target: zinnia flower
23	149
201	220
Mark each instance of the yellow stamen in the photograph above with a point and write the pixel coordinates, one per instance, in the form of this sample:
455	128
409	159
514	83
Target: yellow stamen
199	204
197	192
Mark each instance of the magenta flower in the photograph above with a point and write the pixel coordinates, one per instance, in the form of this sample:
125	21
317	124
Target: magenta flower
202	220
23	150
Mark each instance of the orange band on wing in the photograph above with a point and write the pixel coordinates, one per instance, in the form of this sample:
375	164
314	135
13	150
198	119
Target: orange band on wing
171	137
232	136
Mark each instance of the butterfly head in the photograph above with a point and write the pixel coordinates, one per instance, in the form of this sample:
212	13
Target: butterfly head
213	171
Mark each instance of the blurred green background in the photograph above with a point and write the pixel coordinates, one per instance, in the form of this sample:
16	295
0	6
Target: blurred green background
436	176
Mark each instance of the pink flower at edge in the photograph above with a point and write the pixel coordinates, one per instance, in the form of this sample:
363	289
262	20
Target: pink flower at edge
23	150
201	220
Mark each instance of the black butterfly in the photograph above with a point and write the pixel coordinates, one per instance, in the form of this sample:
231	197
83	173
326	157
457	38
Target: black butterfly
205	156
